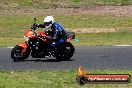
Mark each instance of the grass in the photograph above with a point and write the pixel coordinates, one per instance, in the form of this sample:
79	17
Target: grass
113	2
12	29
14	25
8	42
53	79
115	38
88	39
46	4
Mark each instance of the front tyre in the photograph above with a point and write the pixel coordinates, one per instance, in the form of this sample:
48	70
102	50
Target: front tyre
65	51
17	55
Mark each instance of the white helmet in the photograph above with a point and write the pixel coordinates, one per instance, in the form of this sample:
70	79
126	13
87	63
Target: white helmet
48	21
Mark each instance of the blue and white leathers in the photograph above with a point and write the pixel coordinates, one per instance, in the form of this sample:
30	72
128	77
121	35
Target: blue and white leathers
58	33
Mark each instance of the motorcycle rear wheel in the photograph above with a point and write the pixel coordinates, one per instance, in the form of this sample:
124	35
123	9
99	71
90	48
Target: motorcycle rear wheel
65	51
17	55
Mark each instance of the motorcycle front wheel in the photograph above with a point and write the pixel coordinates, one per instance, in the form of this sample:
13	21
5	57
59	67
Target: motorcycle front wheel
17	55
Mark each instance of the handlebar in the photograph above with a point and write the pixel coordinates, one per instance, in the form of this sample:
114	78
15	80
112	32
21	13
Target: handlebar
34	26
34	19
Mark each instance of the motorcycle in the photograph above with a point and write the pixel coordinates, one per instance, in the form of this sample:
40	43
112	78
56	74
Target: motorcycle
38	45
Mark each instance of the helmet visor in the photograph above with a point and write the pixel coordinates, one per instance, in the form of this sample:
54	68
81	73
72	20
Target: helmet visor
47	23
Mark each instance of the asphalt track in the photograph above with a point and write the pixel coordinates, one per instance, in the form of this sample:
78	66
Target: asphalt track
91	58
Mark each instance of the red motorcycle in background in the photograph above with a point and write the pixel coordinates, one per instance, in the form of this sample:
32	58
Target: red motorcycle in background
38	45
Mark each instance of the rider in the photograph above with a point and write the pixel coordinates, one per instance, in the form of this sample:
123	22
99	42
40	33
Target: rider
57	34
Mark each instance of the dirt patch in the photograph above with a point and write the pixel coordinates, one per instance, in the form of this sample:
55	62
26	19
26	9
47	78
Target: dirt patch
111	10
92	30
97	10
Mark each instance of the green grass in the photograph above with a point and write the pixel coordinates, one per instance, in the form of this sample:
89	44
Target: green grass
88	39
60	3
14	26
115	38
8	42
53	79
12	29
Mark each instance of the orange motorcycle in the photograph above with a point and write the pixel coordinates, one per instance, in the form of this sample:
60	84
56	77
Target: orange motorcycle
38	45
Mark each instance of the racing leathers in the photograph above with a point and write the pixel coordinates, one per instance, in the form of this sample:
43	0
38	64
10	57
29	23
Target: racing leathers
58	33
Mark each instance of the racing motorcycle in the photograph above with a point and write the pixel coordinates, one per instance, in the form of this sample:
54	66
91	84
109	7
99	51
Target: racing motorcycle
38	45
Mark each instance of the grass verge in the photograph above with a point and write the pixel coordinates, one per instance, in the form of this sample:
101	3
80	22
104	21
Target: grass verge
53	79
14	26
88	39
12	29
114	38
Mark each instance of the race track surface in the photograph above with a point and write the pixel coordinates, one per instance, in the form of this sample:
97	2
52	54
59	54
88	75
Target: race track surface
91	58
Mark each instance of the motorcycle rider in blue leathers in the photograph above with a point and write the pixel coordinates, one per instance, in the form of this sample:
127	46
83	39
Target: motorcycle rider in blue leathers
55	30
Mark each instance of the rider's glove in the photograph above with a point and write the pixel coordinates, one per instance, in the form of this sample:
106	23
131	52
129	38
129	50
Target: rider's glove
38	25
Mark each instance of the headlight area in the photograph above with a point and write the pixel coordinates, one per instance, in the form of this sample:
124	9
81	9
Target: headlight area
26	38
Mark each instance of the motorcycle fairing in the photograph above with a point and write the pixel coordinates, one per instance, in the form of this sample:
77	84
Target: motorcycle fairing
29	34
70	36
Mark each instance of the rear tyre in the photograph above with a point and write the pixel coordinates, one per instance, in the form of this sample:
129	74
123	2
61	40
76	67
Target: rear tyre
65	51
17	55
